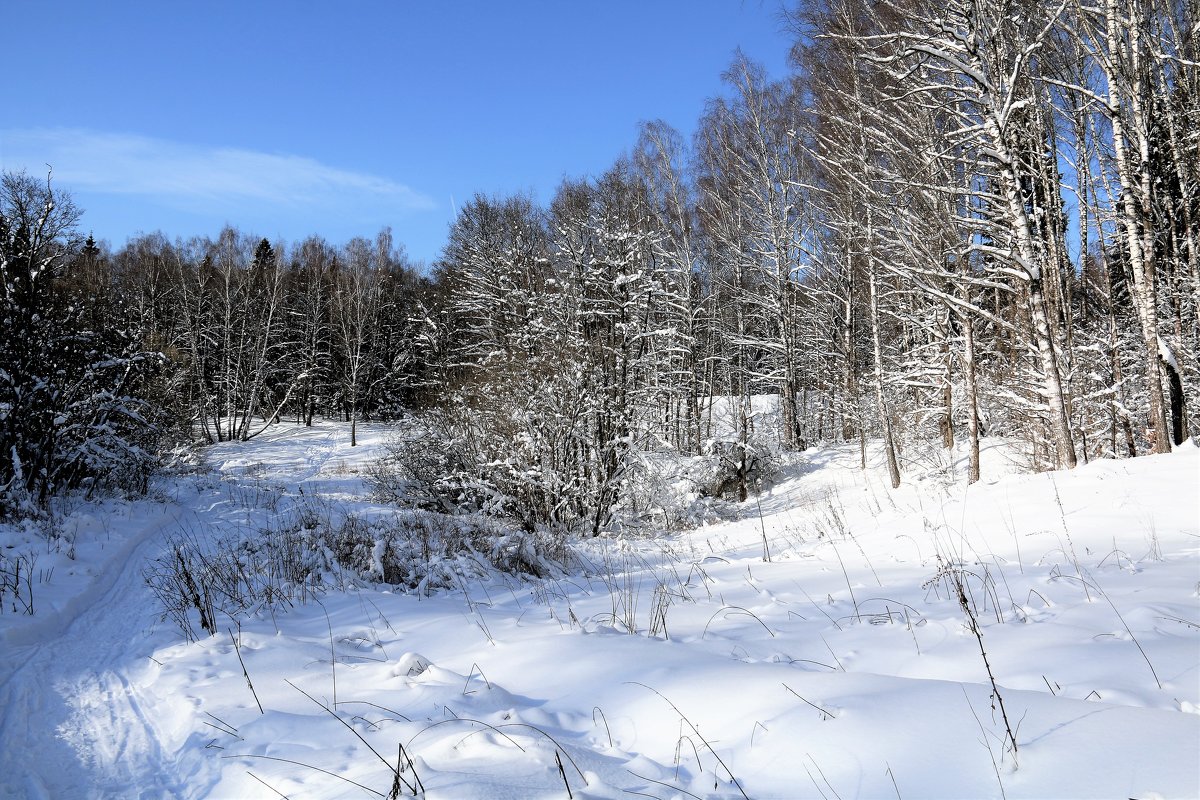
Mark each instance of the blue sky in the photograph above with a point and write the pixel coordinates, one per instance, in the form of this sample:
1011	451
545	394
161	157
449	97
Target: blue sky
291	118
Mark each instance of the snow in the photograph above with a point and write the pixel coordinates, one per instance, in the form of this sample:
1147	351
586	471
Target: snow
842	667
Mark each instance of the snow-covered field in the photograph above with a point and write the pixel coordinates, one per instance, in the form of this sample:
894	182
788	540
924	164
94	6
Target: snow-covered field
816	646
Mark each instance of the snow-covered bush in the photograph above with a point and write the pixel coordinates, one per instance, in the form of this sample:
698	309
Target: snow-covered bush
728	466
411	550
507	463
433	465
667	491
514	469
16	582
424	551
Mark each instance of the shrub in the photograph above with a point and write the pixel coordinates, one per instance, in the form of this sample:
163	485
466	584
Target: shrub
411	550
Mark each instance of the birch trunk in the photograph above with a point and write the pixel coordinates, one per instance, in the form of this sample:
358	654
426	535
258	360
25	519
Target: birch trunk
1018	218
1124	64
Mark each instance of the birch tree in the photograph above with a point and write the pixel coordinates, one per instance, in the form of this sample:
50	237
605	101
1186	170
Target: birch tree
974	59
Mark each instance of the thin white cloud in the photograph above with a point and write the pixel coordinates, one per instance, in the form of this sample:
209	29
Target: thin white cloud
193	175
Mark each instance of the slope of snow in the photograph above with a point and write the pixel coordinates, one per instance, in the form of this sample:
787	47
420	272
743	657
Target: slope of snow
813	647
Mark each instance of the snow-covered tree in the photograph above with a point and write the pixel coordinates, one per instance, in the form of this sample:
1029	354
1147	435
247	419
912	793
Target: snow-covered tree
72	366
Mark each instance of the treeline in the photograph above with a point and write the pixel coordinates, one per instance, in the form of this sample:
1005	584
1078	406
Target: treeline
106	356
949	220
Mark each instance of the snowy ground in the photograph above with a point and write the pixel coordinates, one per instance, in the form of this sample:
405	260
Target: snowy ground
844	666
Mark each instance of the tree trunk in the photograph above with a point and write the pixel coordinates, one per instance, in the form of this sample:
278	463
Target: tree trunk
972	397
947	420
889	445
1135	206
1061	427
1018	219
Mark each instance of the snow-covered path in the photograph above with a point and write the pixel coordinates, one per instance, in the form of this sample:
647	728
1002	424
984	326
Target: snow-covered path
79	714
74	715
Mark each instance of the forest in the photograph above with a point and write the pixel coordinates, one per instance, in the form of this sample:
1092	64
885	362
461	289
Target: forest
949	220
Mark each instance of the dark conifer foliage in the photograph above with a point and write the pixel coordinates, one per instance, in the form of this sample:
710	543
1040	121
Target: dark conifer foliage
73	368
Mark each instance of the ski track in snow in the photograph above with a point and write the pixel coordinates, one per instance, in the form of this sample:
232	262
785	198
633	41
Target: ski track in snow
68	699
70	677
